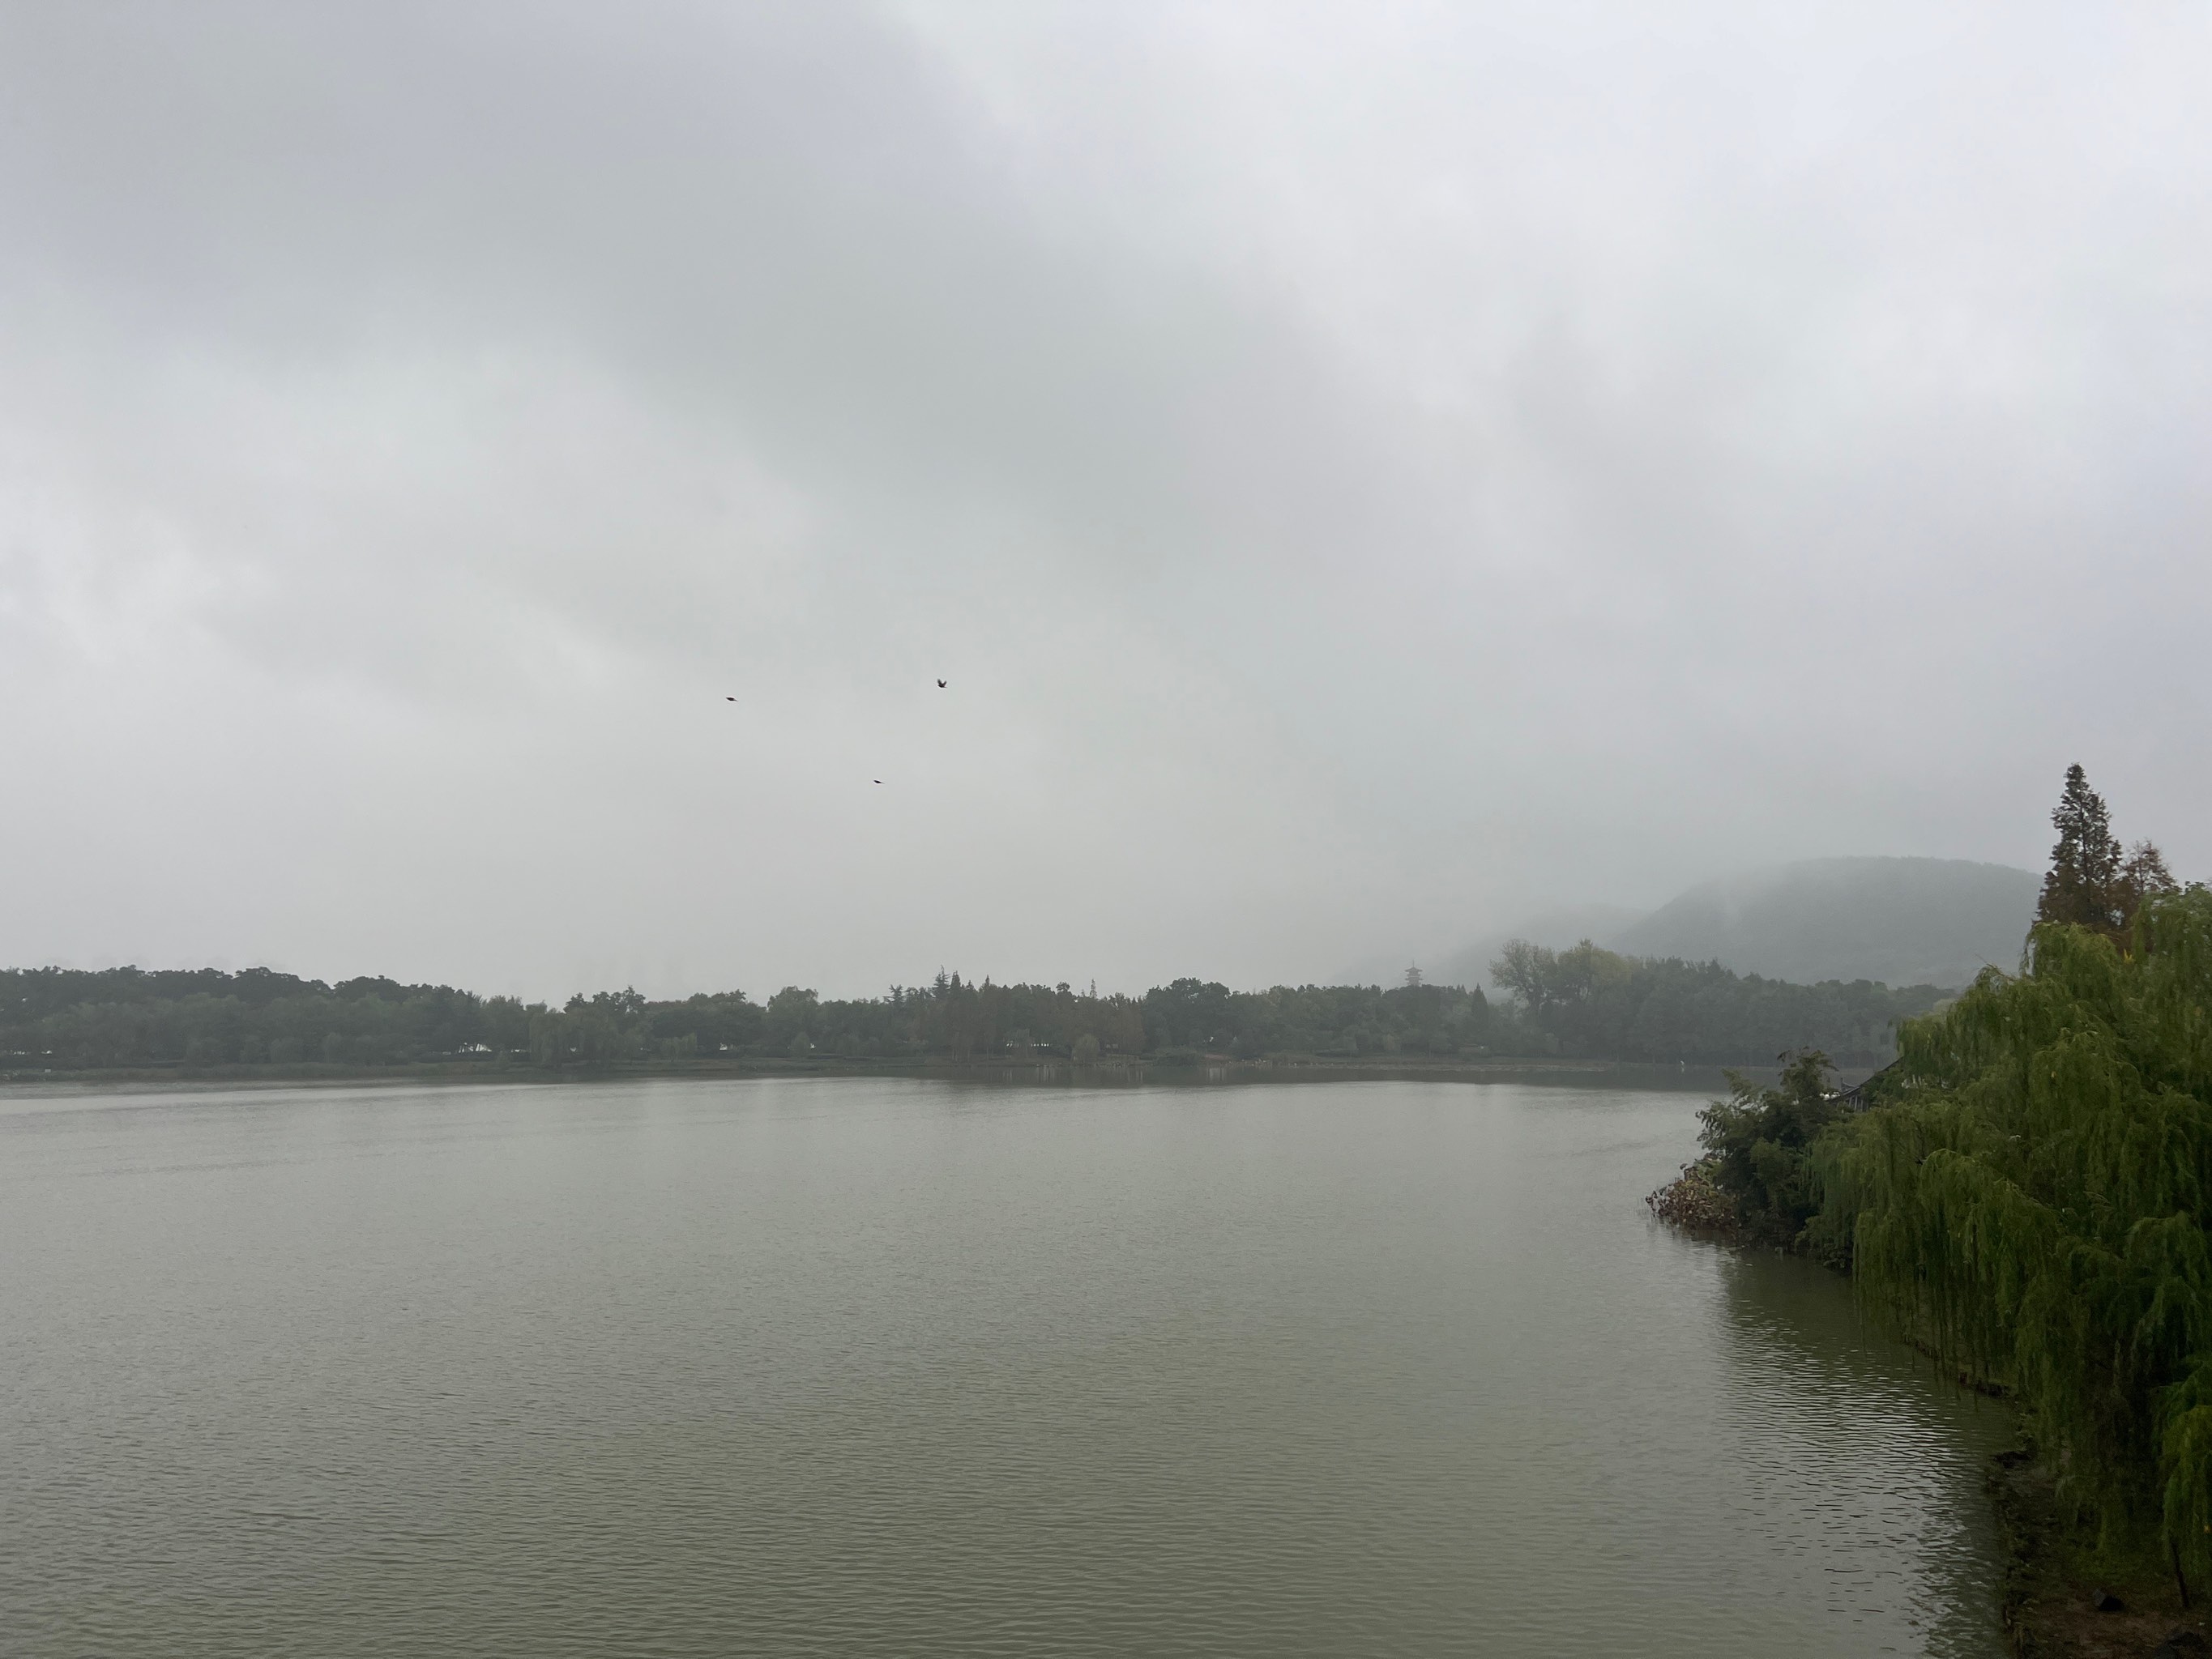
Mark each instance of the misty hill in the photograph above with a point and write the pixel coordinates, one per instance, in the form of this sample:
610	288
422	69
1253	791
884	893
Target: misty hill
1896	921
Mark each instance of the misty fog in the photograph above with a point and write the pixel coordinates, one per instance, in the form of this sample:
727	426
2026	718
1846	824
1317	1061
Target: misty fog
1365	474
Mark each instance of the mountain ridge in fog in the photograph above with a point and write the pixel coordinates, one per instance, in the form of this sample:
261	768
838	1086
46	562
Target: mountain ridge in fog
1897	921
1900	920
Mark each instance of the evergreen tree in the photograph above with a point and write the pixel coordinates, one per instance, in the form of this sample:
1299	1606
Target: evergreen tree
2084	865
2091	882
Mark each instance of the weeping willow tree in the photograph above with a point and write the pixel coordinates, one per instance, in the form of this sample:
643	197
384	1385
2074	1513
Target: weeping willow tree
2034	1205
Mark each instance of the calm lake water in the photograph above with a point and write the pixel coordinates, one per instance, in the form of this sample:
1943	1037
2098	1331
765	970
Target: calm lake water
865	1366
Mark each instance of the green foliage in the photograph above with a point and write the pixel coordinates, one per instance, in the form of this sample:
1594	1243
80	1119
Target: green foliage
1759	1149
51	1018
1346	1020
1589	1001
2077	890
62	1019
2092	883
2034	1204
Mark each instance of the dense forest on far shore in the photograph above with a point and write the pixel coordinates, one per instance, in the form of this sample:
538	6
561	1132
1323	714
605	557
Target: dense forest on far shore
1582	1003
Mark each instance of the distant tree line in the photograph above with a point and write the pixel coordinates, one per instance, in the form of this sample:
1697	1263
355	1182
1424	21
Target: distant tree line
1584	1002
1587	1001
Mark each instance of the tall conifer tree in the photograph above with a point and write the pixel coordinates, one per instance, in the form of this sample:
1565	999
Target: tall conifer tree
2093	881
2084	865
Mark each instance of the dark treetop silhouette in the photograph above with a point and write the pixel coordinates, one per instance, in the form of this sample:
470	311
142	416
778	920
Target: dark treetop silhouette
1581	1003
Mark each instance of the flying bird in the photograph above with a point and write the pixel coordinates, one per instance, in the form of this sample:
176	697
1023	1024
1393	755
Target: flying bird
729	700
879	780
940	685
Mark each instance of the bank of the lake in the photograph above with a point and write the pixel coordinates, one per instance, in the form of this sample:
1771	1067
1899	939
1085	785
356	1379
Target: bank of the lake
2025	1190
2064	1598
1039	1069
859	1365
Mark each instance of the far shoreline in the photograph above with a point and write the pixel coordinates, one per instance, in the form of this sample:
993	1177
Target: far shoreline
1039	1071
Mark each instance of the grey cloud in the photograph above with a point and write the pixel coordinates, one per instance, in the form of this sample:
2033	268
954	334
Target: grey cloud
1369	473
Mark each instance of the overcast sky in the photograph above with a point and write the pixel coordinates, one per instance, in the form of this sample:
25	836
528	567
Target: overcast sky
1367	473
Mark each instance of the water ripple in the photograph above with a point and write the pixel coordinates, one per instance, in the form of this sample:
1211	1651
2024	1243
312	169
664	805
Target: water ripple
865	1367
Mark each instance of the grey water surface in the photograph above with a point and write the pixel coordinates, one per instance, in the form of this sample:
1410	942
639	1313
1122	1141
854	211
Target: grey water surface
870	1366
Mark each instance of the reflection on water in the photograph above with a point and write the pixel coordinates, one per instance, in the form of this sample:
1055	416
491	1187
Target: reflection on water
1812	1387
879	1366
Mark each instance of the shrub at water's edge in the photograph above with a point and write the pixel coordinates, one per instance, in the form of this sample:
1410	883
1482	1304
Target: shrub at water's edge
1757	1182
